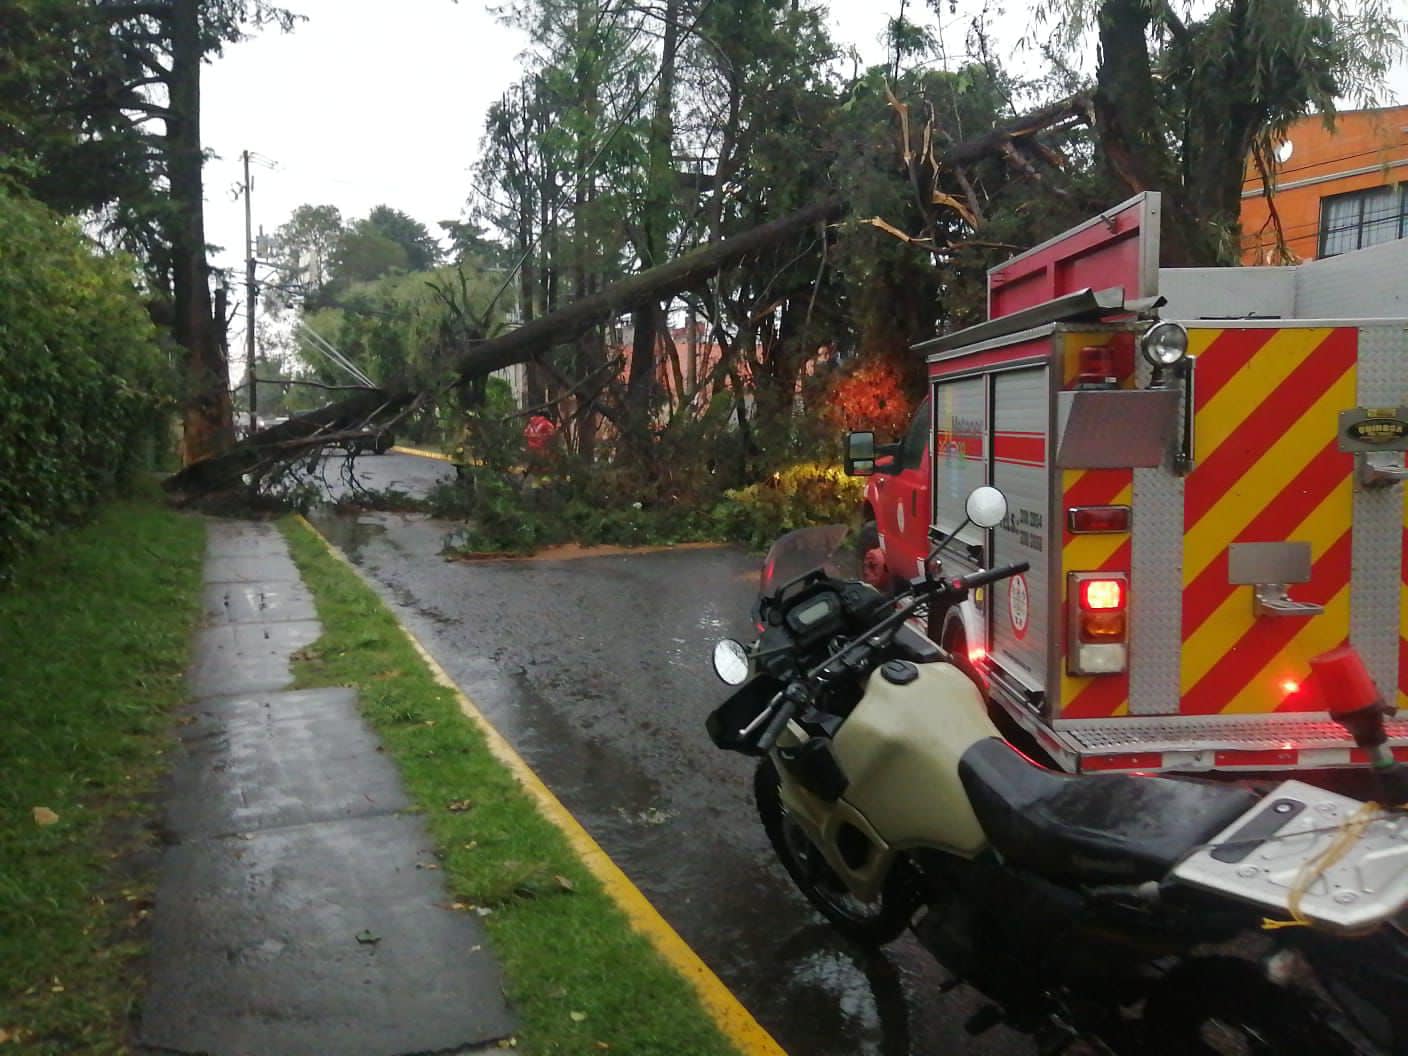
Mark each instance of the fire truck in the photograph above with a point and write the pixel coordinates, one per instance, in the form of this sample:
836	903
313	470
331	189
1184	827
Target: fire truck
1204	469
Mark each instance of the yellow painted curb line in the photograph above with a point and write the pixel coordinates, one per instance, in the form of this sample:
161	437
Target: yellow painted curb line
735	1021
422	452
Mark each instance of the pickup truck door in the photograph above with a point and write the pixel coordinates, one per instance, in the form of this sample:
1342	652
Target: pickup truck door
902	512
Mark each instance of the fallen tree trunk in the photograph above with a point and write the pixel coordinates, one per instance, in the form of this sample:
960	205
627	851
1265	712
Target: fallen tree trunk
288	439
1072	109
567	323
367	412
347	419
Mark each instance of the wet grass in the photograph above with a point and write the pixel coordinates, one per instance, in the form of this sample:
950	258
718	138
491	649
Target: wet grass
94	632
578	976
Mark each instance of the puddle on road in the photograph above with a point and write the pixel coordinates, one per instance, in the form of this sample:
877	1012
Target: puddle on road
685	837
358	535
350	533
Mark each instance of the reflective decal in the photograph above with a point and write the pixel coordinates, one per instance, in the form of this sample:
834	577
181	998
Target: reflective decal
1018	604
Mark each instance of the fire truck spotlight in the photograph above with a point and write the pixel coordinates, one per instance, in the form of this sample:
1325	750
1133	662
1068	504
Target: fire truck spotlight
977	653
1164	344
1290	686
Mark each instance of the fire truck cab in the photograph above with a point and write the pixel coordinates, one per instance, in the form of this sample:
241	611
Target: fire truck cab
1204	469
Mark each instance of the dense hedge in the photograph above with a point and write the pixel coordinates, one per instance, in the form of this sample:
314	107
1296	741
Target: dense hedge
84	385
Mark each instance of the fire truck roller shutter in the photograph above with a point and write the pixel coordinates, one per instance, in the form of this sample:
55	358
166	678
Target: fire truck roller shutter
959	459
1020	620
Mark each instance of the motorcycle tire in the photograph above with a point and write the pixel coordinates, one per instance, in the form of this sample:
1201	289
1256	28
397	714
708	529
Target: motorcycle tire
869	923
1216	1006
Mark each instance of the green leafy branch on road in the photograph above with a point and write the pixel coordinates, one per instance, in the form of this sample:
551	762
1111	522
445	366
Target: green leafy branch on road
506	514
579	977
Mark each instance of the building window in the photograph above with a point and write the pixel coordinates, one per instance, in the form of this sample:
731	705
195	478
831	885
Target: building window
1362	218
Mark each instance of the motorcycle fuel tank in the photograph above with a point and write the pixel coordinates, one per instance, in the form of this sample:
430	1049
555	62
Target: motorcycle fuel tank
900	750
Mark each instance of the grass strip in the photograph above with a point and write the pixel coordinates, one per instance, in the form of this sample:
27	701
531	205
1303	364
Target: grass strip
580	978
94	638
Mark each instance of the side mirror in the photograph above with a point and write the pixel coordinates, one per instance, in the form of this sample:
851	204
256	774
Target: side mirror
986	507
731	662
860	454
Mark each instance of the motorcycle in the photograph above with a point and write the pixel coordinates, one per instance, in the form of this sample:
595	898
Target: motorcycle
1117	913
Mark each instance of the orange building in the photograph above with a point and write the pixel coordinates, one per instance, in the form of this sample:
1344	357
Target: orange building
1335	191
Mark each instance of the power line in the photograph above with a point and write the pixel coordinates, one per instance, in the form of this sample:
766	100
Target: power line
1316	164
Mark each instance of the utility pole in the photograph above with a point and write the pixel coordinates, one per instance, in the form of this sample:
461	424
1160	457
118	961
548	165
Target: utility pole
249	298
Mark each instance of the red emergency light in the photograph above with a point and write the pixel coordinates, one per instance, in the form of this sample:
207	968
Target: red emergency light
1105	366
1095	520
1097	367
1097	595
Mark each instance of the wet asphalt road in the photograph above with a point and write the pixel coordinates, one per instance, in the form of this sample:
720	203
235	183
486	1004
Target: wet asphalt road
597	669
392	471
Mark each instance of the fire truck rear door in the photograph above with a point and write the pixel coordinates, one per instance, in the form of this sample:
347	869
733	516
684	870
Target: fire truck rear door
1272	500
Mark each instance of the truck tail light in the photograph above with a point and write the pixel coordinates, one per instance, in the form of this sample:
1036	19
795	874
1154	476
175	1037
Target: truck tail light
1097	368
1102	595
1094	520
1098	620
1102	626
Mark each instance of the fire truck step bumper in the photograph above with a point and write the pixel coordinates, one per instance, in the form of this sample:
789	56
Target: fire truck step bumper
1221	742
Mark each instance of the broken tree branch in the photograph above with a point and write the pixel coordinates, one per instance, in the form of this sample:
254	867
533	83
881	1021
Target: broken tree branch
477	358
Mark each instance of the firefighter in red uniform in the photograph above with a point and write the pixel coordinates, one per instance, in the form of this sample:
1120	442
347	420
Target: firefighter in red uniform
537	441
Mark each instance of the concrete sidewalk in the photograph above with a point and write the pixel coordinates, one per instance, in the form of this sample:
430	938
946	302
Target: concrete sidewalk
295	913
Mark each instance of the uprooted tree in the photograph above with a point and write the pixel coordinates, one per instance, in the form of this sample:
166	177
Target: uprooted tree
370	411
603	178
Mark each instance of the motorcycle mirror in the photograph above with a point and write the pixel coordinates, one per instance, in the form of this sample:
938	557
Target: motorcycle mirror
986	506
860	454
731	662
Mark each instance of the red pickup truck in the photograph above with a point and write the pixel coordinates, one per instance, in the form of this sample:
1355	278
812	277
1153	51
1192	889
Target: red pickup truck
895	535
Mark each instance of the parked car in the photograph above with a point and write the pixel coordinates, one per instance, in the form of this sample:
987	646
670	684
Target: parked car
377	445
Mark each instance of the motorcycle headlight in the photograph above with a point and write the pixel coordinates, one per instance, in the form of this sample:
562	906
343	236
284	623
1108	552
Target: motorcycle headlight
1164	344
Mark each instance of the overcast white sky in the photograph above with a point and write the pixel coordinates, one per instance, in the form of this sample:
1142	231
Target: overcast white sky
365	104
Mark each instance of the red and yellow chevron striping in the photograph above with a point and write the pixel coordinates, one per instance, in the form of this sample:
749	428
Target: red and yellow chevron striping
1403	614
1102	696
1267	470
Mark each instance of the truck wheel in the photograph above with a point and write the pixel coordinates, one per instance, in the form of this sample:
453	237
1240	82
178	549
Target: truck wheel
953	639
870	559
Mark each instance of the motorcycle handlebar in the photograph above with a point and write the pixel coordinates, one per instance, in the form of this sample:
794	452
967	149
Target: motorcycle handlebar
991	575
773	730
787	705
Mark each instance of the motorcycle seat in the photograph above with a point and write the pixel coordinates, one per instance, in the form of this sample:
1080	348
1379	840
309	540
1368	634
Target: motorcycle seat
1100	827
